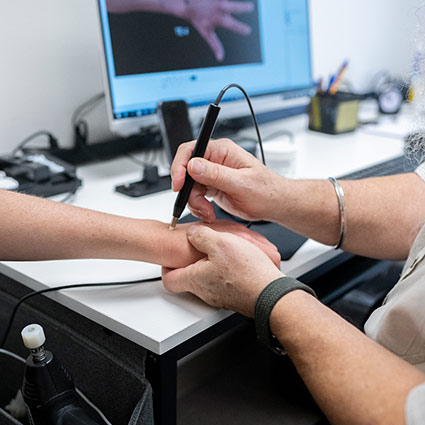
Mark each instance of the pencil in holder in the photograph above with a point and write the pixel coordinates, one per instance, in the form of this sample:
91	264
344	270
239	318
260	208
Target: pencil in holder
334	114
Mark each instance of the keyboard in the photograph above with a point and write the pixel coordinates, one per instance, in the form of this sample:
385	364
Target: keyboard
398	165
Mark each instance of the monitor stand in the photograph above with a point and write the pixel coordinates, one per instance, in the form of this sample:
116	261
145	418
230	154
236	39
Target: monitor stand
151	183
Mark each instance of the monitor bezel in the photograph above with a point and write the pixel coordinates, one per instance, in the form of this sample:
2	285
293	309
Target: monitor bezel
264	102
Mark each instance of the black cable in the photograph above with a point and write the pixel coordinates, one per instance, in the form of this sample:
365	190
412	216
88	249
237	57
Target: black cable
67	197
137	161
253	116
150	156
80	126
86	107
273	135
254	120
53	141
278	133
80	110
61	288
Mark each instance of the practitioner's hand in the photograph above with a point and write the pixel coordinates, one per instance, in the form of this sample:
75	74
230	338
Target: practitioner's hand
237	181
231	276
176	251
207	15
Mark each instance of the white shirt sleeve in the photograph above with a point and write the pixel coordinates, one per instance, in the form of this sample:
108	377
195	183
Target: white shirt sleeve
415	406
420	171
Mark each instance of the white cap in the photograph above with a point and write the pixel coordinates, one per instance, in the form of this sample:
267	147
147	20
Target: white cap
33	336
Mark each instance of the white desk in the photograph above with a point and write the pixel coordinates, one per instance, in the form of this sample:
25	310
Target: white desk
147	314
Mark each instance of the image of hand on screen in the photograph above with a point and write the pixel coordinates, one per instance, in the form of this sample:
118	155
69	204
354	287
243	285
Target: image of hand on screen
204	15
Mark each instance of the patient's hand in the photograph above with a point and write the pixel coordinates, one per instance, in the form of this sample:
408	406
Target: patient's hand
205	16
177	252
208	15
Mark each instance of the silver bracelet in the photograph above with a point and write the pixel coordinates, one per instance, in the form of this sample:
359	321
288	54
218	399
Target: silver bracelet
341	203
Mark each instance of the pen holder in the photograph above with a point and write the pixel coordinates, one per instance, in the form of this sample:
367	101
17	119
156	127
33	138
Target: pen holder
334	114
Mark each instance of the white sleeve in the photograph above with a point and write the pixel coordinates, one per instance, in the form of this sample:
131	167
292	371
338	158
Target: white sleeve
420	171
415	406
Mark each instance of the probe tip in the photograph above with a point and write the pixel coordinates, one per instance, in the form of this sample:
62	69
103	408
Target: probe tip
173	223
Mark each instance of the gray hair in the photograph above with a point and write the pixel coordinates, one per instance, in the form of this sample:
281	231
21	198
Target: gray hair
415	146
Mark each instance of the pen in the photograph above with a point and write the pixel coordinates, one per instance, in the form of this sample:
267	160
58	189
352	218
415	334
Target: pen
201	146
337	81
331	81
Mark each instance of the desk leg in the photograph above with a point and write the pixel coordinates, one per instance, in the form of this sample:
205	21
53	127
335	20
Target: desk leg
161	372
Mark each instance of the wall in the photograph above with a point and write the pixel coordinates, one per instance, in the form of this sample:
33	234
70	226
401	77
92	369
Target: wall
374	34
50	56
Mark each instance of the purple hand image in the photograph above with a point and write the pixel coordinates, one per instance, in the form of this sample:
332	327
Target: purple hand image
204	15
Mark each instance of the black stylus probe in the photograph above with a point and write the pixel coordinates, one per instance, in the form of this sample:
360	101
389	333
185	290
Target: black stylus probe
201	146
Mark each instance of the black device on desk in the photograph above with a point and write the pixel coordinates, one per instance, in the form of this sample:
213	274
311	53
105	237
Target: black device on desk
175	129
40	174
175	125
391	167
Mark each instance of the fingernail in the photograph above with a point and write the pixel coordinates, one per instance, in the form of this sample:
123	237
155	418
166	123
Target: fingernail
196	213
198	167
191	231
206	217
204	213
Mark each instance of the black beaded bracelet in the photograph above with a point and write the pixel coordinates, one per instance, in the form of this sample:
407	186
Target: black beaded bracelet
268	298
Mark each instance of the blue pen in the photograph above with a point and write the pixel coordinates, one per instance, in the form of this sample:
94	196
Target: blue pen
331	81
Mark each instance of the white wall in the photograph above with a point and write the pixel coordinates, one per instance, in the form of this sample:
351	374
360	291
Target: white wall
373	34
49	65
50	60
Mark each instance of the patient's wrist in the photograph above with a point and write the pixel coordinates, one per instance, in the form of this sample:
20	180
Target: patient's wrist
173	249
175	7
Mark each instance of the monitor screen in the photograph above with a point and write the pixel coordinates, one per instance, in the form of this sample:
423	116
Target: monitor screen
191	49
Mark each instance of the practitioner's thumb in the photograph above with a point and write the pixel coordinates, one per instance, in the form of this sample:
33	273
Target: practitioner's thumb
213	175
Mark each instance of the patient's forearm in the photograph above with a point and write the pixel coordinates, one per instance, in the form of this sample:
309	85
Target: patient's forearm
354	380
383	214
34	229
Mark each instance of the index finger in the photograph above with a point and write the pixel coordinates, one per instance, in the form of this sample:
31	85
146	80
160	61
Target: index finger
237	7
179	165
221	151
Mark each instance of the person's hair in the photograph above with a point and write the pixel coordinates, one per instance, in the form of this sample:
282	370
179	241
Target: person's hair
415	145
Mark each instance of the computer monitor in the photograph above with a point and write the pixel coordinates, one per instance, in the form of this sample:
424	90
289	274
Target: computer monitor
180	49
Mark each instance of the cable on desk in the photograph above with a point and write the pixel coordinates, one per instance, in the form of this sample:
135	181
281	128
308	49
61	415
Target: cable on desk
151	157
80	126
273	135
68	197
86	107
61	288
53	141
76	115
